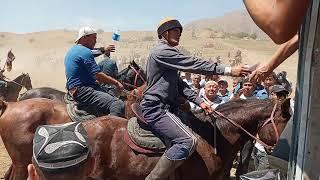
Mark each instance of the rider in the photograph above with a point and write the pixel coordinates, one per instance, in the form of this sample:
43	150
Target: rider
164	85
3	84
82	72
109	67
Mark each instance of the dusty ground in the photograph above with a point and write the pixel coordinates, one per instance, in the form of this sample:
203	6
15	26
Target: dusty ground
41	55
5	161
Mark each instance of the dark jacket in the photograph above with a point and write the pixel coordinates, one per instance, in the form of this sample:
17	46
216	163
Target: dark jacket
163	80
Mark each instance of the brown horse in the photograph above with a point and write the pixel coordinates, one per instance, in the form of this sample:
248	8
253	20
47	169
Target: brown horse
115	160
11	92
54	94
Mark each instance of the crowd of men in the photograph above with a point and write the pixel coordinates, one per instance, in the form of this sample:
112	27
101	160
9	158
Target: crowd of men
215	91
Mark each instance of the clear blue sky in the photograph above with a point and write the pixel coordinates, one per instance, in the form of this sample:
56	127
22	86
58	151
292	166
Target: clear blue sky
22	16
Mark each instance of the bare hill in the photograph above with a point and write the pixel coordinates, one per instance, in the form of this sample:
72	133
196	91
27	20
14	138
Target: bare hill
41	54
233	22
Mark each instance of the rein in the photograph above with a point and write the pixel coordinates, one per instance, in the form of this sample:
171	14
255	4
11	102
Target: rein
138	74
128	84
248	133
129	93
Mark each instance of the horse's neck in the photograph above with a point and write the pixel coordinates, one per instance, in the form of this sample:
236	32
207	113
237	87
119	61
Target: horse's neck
19	79
247	120
13	89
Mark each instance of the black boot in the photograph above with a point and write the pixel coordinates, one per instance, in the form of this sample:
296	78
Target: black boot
163	168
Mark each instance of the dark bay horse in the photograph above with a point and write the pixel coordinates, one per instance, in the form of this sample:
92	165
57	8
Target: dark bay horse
132	76
43	92
11	92
115	160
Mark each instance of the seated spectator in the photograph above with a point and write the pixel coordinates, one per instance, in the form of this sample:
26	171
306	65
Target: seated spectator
207	78
261	92
210	96
224	93
247	91
187	78
270	81
284	81
196	78
60	152
278	92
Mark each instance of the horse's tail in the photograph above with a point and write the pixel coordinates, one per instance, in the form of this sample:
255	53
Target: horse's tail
3	106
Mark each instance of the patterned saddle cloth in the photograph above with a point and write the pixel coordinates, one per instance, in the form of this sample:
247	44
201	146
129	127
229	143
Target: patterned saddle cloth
75	112
140	138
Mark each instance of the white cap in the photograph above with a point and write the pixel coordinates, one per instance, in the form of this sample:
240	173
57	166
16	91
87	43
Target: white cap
84	31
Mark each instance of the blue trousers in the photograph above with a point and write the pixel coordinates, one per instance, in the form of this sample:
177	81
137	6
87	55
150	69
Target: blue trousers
99	101
164	122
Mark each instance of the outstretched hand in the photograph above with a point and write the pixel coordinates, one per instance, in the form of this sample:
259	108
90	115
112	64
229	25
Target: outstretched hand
206	107
260	74
109	48
240	71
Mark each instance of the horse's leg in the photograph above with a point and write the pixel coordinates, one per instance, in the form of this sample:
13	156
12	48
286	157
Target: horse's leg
17	172
8	173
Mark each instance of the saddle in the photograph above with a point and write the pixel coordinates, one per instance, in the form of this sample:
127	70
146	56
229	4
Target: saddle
76	112
140	137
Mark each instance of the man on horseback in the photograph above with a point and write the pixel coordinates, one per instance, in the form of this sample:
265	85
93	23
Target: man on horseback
82	72
3	84
159	104
109	67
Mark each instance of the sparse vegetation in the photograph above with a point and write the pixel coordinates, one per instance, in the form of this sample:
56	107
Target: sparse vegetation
31	40
209	45
193	34
212	36
148	38
100	31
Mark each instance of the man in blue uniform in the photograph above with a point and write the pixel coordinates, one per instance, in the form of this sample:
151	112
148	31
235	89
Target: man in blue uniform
164	85
82	72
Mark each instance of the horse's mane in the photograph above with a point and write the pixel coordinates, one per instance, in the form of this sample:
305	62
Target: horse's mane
242	111
243	103
21	76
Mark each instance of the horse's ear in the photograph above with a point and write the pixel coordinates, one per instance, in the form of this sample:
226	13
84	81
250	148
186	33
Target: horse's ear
286	108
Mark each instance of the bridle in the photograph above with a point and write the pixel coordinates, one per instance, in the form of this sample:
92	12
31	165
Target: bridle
271	119
19	84
138	74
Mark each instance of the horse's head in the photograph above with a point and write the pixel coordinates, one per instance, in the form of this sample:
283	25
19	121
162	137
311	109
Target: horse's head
26	81
133	76
254	116
269	133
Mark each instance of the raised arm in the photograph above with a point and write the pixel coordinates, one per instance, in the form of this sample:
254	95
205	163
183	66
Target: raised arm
280	19
283	52
173	59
